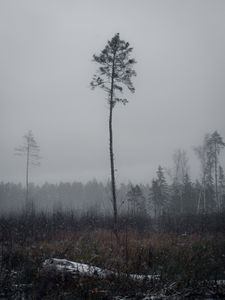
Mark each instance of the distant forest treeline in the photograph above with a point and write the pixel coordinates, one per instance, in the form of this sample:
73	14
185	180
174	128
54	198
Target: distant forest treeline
154	200
171	191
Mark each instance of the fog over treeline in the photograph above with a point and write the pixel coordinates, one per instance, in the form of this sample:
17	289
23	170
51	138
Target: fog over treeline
171	191
75	196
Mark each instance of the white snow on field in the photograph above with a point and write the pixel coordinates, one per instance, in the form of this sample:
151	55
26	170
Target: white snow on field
64	265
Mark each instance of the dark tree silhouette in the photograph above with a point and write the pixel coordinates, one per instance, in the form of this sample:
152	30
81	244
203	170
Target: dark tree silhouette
136	201
206	171
115	71
221	187
215	144
30	150
159	193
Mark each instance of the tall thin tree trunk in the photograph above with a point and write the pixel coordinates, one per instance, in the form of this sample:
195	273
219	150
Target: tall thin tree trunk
204	197
113	181
27	176
216	179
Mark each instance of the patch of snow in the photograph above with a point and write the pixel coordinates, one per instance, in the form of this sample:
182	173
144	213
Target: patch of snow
220	282
64	265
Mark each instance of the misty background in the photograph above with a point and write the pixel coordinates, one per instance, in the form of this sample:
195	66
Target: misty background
46	50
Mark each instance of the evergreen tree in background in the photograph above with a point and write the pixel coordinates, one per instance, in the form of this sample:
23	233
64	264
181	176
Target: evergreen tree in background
136	201
30	150
221	188
189	199
210	203
215	144
159	193
180	171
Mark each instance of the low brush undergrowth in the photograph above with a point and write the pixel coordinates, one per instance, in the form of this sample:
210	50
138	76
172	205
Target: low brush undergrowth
186	259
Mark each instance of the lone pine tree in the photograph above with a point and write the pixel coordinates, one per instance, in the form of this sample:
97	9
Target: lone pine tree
114	73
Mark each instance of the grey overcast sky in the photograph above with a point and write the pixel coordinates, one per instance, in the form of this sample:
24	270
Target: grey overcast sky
46	49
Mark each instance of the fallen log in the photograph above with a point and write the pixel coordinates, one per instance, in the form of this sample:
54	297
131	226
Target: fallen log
75	268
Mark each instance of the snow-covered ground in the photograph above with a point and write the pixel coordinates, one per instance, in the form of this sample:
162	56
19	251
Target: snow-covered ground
64	265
